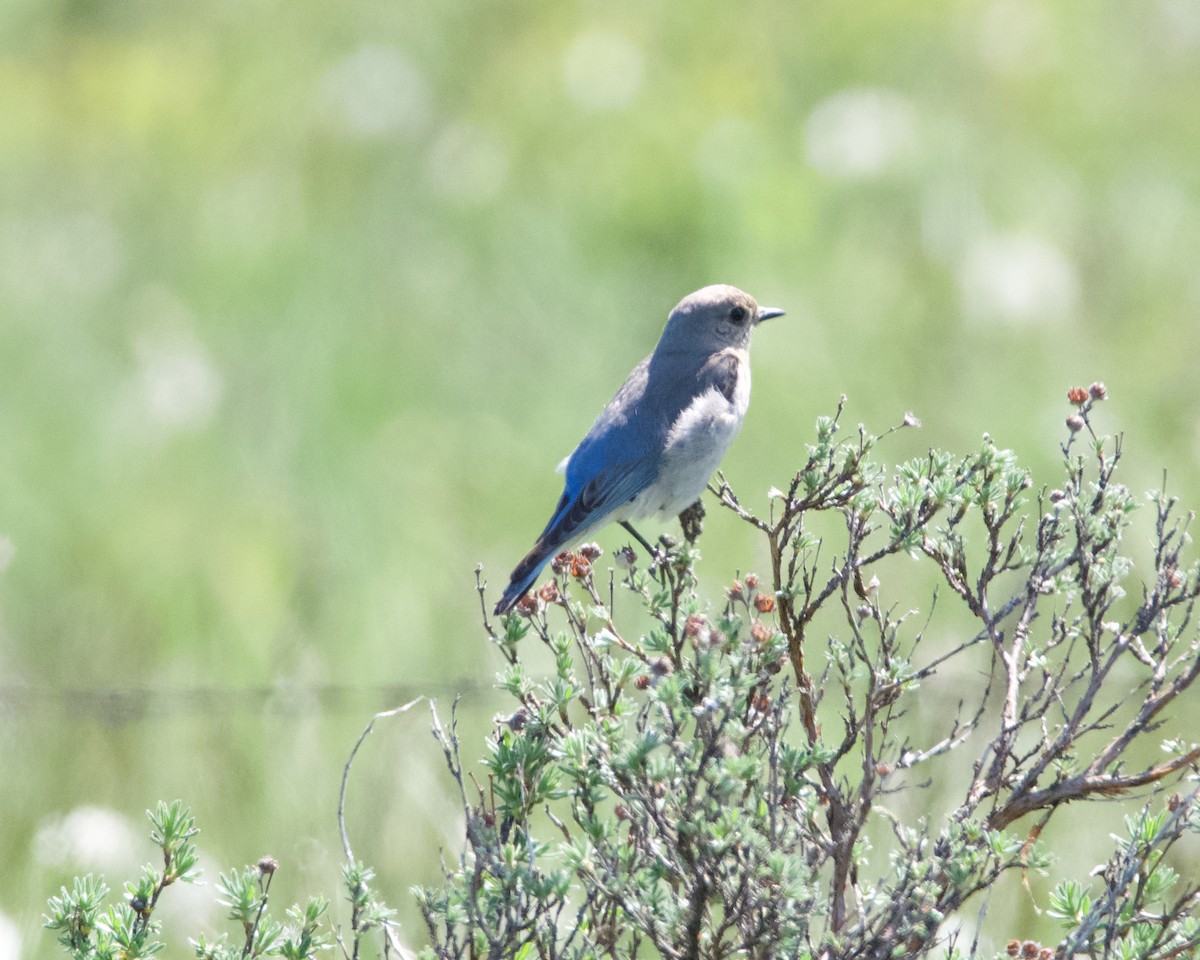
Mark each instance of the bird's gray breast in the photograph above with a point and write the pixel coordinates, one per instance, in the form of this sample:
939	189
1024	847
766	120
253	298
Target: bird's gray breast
700	434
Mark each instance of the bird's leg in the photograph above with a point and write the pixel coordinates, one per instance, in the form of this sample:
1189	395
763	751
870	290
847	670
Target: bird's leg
656	556
640	539
692	521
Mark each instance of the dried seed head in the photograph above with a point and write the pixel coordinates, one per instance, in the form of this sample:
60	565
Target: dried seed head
1098	391
760	633
562	561
735	591
591	552
1078	396
1014	947
549	592
267	866
642	681
580	567
661	667
694	626
517	721
1057	495
527	605
752	581
1075	423
764	603
625	558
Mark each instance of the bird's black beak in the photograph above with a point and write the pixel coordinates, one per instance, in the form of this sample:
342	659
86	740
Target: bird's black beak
767	313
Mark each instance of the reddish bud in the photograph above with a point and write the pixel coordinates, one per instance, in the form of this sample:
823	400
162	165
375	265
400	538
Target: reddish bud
580	567
642	681
761	633
694	626
734	591
752	581
1014	947
549	592
764	603
1078	396
527	605
621	812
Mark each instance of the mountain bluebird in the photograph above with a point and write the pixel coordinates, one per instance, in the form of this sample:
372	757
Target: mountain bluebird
654	447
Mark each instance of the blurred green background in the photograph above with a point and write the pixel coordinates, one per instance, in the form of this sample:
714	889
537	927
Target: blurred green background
300	304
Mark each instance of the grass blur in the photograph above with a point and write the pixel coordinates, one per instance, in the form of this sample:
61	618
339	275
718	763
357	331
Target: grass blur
301	303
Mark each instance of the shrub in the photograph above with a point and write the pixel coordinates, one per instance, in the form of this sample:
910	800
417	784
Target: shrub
747	778
706	784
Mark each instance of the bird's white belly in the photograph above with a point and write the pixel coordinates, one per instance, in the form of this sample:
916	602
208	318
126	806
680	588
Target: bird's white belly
694	449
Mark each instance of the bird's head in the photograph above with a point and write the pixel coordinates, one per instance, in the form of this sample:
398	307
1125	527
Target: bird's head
714	318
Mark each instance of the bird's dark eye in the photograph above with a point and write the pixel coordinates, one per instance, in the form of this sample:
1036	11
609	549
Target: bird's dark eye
738	314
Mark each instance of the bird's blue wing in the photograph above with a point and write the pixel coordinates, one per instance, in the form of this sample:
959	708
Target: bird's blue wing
617	460
579	510
601	494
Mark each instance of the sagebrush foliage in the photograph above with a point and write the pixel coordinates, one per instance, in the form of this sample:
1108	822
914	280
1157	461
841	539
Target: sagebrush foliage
691	778
701	784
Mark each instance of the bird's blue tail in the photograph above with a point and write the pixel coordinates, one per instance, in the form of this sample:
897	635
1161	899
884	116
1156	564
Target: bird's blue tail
525	574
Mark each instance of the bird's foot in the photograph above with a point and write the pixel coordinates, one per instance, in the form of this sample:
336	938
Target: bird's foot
692	522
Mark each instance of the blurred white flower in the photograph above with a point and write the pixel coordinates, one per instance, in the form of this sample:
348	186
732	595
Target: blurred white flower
87	838
1179	25
467	163
1017	278
377	91
55	257
175	385
602	71
10	939
860	133
179	387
